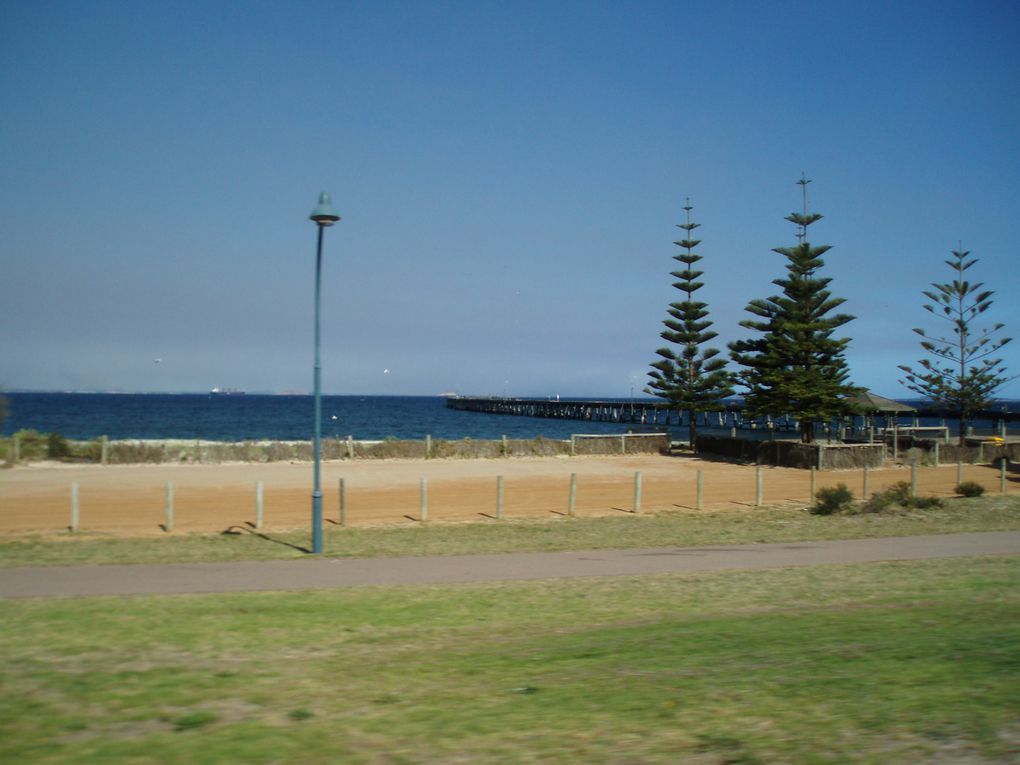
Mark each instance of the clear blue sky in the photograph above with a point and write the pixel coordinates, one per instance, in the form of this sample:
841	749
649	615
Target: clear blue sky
509	175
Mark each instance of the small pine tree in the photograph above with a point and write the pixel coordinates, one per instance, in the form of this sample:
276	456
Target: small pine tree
963	376
692	379
796	366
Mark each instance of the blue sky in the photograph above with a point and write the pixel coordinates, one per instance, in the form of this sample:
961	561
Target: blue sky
509	176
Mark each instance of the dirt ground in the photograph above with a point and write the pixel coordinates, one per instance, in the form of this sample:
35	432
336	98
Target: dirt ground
131	499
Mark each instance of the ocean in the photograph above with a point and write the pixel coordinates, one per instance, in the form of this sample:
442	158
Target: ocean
270	417
289	418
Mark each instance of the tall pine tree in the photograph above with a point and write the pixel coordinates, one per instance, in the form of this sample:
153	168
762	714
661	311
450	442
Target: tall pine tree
964	374
795	366
692	378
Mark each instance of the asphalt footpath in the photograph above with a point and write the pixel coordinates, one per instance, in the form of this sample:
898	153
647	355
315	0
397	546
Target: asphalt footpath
314	573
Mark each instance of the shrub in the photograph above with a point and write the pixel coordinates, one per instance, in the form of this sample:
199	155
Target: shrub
57	447
898	496
833	499
970	489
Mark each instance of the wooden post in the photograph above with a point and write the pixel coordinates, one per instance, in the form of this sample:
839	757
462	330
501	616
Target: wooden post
573	445
700	500
623	444
350	447
637	492
506	446
757	486
424	499
959	472
343	502
428	446
813	481
16	448
572	500
936	450
864	490
499	496
169	506
74	507
895	442
1002	474
259	504
913	480
104	450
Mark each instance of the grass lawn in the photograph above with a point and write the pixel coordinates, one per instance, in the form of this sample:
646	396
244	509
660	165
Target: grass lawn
882	663
680	527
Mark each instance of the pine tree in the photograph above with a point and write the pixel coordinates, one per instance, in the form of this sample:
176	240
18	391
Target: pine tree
796	366
963	375
692	379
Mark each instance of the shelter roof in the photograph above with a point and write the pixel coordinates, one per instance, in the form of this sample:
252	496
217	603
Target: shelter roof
872	402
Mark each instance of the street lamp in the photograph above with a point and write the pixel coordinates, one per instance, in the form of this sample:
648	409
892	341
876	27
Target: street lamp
324	216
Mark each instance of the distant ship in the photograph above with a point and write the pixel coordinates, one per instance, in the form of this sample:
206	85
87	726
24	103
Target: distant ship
226	392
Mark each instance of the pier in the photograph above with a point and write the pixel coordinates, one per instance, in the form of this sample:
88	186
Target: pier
611	410
652	413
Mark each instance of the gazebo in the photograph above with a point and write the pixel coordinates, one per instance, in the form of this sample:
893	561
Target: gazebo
869	404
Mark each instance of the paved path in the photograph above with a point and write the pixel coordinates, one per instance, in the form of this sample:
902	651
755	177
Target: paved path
324	573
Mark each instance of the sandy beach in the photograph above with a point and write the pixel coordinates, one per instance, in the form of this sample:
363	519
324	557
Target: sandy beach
130	499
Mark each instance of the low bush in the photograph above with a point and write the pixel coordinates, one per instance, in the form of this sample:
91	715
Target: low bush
832	499
970	489
898	497
57	447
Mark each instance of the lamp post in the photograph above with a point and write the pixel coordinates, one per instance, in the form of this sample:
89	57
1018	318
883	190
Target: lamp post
324	216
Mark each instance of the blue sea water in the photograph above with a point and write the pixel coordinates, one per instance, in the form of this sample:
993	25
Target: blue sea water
251	417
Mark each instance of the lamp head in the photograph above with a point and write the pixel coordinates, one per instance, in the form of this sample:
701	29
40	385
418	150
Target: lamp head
324	214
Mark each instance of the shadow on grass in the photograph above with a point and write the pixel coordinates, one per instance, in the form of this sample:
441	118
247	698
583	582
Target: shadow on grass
238	530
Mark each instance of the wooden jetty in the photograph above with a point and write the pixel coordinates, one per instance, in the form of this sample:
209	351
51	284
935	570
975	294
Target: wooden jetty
611	410
658	414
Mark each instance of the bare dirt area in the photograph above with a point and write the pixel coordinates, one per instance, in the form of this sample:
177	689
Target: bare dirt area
131	499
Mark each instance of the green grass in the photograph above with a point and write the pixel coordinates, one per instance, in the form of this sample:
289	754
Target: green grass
884	663
681	527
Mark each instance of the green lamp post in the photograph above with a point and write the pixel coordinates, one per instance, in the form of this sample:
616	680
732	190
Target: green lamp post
324	216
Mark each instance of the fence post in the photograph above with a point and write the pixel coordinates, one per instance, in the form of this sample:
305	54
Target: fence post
959	472
864	492
936	454
350	447
637	492
428	446
506	446
757	486
813	479
16	448
571	501
424	499
1002	474
623	444
169	506
700	498
499	497
343	502
259	504
74	506
913	480
573	445
104	450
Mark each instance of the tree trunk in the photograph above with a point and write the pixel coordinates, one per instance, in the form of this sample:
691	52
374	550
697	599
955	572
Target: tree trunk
692	428
807	431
